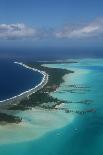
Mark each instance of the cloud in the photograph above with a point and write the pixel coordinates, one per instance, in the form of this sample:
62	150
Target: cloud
71	31
18	31
93	29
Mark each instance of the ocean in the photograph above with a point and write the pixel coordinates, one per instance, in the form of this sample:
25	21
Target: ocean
15	79
45	132
49	53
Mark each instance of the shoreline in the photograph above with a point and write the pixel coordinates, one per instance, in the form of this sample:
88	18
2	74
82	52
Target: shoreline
30	91
43	95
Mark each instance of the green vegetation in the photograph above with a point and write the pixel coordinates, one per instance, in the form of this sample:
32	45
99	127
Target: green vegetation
5	118
41	98
43	95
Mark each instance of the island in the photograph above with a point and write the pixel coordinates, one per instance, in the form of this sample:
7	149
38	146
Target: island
39	96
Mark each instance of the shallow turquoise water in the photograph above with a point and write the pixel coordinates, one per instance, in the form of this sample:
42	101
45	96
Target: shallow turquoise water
83	135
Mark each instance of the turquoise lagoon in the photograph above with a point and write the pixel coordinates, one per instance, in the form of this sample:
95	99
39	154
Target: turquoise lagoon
55	132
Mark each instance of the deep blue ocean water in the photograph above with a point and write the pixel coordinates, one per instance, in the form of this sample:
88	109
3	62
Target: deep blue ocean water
15	79
49	53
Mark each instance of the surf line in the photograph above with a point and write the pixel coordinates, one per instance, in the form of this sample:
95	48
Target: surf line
32	90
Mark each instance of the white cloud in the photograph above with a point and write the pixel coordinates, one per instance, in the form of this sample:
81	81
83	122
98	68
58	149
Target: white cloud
21	31
94	29
18	31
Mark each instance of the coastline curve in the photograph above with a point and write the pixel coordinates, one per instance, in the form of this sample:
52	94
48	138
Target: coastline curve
30	91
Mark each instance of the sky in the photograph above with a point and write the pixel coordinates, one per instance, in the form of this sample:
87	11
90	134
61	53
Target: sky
54	23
